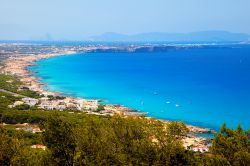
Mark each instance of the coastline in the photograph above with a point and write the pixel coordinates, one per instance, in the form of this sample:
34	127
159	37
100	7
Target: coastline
18	66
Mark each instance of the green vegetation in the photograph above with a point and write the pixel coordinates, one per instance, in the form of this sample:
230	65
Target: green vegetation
13	84
232	147
9	83
73	139
81	139
6	99
23	107
100	108
15	148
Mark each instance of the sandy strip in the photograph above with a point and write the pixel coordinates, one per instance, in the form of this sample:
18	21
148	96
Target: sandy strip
18	66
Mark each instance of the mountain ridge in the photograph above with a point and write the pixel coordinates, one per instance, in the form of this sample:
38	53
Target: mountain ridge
216	36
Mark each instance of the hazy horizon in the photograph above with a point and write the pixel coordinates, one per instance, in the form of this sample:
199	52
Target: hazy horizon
79	19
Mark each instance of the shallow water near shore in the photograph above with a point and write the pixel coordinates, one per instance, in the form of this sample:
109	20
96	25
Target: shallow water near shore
200	86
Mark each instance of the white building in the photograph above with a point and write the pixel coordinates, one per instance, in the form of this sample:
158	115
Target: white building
30	101
16	103
89	104
201	149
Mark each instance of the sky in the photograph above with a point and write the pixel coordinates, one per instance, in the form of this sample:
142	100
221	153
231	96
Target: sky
77	19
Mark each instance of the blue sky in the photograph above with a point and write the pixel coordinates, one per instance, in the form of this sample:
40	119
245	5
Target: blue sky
75	19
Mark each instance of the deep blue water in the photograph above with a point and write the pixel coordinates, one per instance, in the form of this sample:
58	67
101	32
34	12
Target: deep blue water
200	86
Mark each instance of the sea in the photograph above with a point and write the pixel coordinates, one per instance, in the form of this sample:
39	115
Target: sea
202	85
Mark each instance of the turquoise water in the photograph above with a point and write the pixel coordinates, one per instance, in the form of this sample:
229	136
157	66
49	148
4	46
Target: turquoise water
204	86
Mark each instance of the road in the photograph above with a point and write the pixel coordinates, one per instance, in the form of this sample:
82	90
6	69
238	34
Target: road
12	93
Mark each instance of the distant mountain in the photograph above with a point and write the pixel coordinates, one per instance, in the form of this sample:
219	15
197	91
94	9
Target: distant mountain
202	36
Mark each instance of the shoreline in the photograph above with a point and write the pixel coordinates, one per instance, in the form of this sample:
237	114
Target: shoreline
18	66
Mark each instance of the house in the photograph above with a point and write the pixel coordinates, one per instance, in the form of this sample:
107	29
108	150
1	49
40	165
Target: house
201	149
30	101
39	146
16	103
89	104
36	130
31	129
28	129
44	99
46	105
71	105
80	104
61	107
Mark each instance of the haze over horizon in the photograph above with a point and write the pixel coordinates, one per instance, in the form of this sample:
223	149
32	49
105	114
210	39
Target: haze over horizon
80	19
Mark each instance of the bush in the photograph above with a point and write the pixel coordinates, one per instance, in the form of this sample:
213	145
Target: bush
22	107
